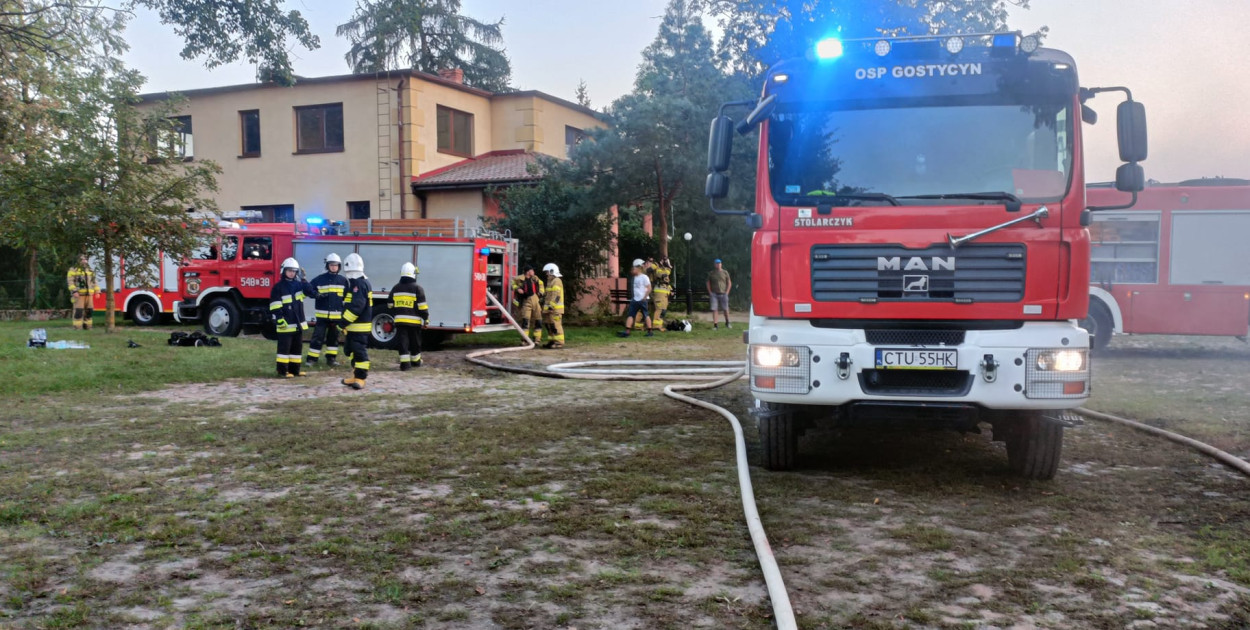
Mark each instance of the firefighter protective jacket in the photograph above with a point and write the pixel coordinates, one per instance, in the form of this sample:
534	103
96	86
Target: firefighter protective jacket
553	299
663	280
524	288
330	289
358	305
407	303
81	280
286	304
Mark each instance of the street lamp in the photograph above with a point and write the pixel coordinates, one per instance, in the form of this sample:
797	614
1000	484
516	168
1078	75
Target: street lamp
689	298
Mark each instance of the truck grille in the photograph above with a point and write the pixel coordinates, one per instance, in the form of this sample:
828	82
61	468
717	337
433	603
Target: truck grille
988	272
890	337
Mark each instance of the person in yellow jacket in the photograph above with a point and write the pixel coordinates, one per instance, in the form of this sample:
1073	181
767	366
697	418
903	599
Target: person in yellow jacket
527	295
553	306
661	291
82	287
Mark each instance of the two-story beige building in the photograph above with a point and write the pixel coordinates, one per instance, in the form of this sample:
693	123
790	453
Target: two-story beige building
397	145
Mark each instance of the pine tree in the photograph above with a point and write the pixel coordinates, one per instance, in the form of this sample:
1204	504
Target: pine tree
583	97
427	35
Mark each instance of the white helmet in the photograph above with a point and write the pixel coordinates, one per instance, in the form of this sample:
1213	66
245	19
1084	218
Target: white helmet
333	258
638	262
354	266
552	269
290	263
408	270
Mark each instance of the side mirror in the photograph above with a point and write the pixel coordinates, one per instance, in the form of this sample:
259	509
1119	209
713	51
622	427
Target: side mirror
763	110
1088	115
1131	128
1130	178
717	186
720	142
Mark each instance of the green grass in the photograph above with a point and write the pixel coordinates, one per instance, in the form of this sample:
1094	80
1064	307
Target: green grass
109	367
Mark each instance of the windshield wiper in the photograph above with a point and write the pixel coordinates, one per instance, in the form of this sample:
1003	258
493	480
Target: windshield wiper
1013	202
855	196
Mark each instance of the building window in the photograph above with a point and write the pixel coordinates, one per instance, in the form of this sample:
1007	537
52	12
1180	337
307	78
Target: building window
175	141
269	214
249	133
455	132
572	137
319	128
358	209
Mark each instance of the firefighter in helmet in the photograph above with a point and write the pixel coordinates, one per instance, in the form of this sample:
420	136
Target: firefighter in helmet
357	319
286	307
661	291
553	306
330	286
527	295
411	313
82	287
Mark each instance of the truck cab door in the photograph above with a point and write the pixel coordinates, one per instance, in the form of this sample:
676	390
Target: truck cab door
255	269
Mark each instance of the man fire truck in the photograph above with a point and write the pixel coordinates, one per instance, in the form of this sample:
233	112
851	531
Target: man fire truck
920	250
226	284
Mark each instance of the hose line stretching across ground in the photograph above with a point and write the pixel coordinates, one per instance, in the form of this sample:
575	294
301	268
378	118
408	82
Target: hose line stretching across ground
720	373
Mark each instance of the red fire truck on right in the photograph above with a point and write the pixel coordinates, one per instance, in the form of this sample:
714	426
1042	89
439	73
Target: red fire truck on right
921	250
1175	264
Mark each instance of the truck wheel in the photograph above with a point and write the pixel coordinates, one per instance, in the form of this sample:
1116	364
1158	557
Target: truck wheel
779	435
1099	324
384	333
1034	443
143	311
222	318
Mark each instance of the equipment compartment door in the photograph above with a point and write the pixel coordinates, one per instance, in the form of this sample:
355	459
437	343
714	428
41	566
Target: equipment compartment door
447	277
1190	311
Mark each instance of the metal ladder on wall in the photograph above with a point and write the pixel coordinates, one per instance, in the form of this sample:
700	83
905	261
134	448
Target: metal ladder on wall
386	162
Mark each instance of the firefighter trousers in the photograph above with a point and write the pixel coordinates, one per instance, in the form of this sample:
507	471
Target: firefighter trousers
660	310
358	352
290	352
82	312
531	318
325	340
409	345
555	327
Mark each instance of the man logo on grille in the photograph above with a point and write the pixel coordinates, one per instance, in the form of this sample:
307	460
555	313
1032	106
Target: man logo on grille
915	284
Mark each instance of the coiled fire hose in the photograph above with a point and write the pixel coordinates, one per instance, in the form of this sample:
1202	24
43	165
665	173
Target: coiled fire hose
719	373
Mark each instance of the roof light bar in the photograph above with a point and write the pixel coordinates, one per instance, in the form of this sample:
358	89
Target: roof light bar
1029	44
882	47
829	48
953	45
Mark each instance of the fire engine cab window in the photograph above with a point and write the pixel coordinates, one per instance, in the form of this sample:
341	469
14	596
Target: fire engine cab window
924	150
257	248
229	247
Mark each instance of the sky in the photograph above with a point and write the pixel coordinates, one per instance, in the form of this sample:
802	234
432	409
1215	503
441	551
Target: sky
1183	59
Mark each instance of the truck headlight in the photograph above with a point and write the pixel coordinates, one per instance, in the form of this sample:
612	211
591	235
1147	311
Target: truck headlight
776	356
1061	360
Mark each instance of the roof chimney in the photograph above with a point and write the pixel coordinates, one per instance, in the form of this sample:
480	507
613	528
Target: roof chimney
455	75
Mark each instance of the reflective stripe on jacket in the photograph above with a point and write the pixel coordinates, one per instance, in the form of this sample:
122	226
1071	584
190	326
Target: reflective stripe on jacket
358	305
286	304
553	300
330	289
79	279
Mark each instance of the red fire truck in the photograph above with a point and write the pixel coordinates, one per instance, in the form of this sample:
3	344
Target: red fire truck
144	295
1174	264
226	284
921	246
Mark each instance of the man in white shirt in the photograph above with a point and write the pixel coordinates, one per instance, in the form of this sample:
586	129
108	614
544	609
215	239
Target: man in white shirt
640	291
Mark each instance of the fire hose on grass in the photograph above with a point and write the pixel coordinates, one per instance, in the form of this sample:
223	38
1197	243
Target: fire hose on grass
719	374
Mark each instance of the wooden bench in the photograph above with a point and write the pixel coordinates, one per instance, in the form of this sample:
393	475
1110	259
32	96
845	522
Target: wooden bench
676	302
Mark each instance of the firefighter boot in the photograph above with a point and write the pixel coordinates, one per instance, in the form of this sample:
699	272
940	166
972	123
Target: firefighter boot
404	366
282	370
353	382
332	361
416	362
312	360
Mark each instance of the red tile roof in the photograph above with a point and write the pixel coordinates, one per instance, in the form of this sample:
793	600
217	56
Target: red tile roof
494	168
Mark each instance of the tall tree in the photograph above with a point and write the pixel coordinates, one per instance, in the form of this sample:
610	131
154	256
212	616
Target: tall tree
428	35
583	94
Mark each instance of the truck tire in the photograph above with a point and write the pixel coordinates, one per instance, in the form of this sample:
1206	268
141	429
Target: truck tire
1099	324
779	435
1034	444
383	334
222	318
144	311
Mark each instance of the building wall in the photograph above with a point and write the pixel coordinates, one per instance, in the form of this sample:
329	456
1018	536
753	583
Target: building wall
451	204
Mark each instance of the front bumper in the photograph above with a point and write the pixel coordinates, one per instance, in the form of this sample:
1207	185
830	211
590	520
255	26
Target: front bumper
996	369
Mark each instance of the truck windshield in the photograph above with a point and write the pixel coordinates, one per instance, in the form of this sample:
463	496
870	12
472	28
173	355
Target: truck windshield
816	154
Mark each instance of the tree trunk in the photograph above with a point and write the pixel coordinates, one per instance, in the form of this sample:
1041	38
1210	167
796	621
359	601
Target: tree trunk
109	308
662	198
32	270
